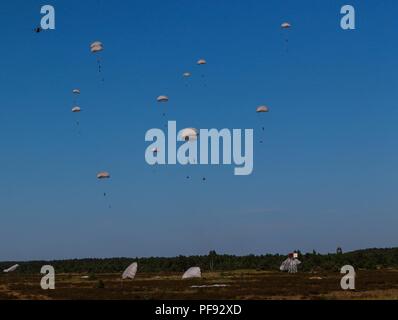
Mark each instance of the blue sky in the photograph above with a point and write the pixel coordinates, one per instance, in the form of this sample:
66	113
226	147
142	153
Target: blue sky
324	177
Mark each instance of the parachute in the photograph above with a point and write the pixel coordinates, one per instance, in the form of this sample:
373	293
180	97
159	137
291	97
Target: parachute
186	76
203	62
192	273
130	272
163	99
286	25
76	108
103	175
189	134
11	269
290	264
96	47
262	109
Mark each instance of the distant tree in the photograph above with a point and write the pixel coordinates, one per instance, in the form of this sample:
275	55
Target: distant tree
212	258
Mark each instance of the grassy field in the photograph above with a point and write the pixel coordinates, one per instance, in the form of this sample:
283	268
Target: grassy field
252	285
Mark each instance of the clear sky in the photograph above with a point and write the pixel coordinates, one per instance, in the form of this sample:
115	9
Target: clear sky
325	176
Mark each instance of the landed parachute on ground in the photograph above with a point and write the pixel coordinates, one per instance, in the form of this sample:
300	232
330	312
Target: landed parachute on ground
192	273
290	264
130	272
189	134
11	269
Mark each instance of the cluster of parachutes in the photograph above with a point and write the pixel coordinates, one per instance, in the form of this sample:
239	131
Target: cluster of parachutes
188	134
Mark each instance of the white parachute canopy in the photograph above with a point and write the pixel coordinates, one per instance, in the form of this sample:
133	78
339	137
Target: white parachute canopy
192	273
163	99
12	269
262	109
189	134
76	91
103	175
290	265
96	46
130	272
76	109
286	25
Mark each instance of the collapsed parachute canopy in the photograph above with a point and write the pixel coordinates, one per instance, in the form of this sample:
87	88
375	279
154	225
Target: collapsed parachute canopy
262	109
192	273
189	134
290	264
103	175
163	99
202	62
286	25
96	46
11	269
76	109
130	272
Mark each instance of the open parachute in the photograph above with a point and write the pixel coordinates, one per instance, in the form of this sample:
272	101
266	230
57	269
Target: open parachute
262	109
96	46
162	99
189	134
103	175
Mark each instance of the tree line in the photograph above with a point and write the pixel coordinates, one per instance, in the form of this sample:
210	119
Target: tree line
370	259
